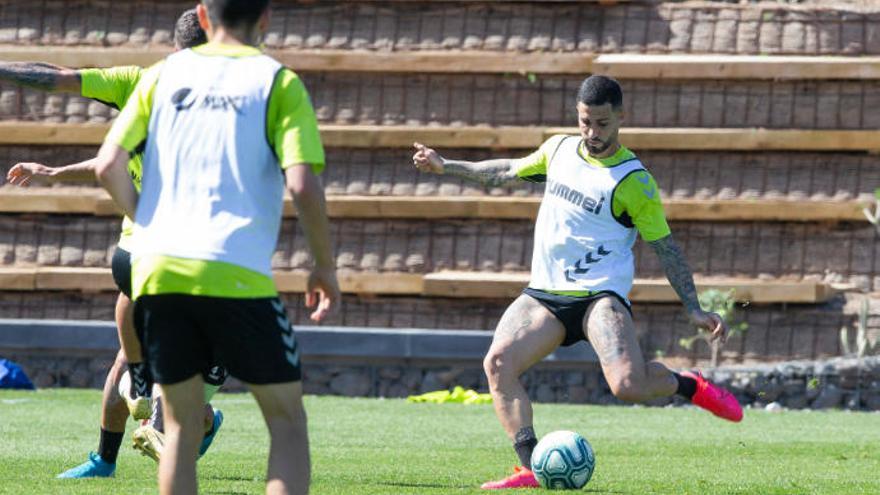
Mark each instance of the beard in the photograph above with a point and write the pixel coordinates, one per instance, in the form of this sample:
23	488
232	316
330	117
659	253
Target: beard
598	148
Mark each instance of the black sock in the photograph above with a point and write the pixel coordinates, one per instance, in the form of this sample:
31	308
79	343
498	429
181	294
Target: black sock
524	450
108	447
141	380
687	386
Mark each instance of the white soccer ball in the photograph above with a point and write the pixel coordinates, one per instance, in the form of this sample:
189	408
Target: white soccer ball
563	460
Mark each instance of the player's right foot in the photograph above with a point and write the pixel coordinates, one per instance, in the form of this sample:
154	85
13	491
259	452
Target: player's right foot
95	467
139	407
149	441
521	478
715	399
209	437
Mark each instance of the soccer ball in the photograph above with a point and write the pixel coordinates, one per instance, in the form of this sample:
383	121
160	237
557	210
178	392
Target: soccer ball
563	460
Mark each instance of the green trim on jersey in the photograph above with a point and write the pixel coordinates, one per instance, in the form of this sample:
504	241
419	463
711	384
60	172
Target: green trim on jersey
113	87
637	198
153	275
572	293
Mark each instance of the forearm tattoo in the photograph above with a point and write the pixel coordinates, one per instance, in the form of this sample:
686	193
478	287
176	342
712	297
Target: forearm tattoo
488	173
525	434
30	74
677	271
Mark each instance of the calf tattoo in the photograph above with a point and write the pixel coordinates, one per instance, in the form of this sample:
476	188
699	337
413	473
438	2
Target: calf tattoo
525	434
607	334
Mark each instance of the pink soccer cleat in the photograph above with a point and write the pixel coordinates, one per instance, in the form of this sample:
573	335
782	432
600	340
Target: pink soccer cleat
715	399
521	478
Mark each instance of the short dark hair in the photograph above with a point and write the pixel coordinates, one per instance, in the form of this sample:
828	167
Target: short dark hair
235	13
599	90
187	32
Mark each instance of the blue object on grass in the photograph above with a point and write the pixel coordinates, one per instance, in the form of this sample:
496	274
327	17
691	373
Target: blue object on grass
12	376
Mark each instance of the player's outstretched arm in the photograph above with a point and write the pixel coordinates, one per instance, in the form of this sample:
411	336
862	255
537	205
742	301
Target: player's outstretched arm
23	174
42	76
111	170
682	280
322	291
488	173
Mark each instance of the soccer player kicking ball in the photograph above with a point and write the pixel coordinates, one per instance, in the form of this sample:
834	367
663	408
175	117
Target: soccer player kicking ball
112	87
223	127
598	194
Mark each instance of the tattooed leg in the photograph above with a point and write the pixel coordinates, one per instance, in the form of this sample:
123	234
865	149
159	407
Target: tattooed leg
524	444
610	331
526	334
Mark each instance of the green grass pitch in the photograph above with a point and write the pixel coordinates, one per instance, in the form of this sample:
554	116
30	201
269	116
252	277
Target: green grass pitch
370	446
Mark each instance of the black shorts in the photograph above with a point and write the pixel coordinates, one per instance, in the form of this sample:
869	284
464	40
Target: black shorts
121	268
570	310
183	335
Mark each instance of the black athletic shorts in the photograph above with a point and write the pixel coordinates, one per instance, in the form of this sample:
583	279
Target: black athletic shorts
183	335
121	268
570	310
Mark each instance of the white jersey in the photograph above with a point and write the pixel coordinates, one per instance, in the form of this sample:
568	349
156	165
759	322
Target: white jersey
579	244
212	185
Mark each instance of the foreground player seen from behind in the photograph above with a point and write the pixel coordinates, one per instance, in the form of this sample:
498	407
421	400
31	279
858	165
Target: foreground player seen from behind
598	195
223	127
112	87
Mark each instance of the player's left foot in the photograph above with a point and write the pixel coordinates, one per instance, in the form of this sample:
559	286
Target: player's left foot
209	437
149	441
521	478
95	467
715	399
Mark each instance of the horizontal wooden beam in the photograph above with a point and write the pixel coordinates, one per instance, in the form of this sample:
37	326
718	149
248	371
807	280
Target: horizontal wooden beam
749	67
481	285
93	201
415	61
503	137
622	66
478	285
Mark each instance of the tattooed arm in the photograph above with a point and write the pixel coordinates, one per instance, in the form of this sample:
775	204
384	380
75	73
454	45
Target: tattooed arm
38	75
682	280
488	173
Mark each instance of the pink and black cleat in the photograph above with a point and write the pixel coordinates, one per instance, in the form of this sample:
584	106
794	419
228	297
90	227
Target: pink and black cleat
715	399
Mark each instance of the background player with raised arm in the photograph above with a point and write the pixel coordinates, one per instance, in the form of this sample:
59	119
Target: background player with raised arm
223	127
112	87
597	196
